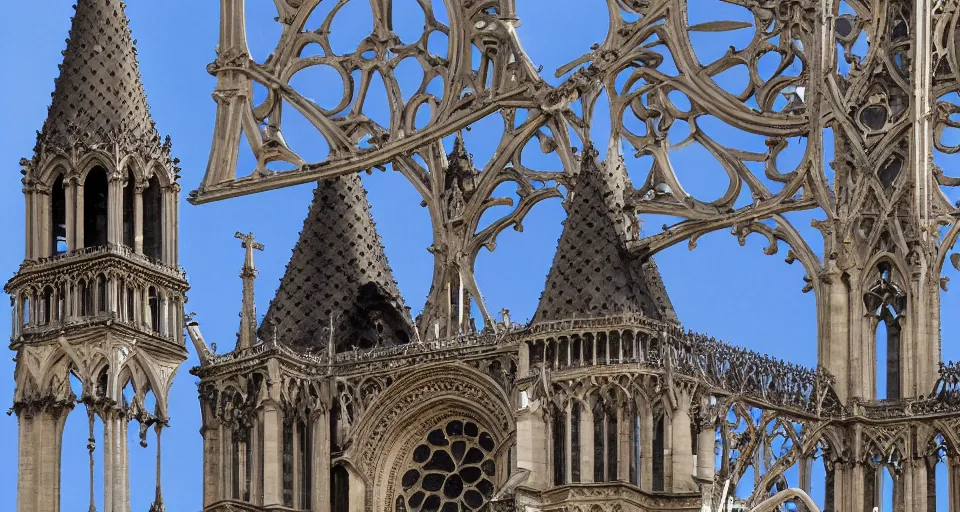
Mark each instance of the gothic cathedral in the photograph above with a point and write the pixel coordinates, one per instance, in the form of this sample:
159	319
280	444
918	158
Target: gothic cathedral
338	399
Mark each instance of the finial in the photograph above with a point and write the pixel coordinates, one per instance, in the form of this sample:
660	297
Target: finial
248	313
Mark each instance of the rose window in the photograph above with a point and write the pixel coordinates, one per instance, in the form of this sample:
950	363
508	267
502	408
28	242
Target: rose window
453	471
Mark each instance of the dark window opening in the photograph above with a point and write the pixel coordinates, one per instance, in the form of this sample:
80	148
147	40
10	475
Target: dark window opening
559	448
287	463
598	437
829	480
634	446
612	444
339	490
130	314
58	198
95	201
46	305
869	488
575	443
101	294
658	447
83	292
25	310
153	220
306	465
154	303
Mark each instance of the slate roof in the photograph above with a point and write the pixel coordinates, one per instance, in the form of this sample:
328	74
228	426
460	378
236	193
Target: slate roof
99	89
339	270
592	273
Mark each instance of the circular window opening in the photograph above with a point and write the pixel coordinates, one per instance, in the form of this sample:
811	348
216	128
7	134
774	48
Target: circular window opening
452	470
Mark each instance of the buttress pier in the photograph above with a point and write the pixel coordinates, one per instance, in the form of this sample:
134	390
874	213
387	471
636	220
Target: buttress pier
98	300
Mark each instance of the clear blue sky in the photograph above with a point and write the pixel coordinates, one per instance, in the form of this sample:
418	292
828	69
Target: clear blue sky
733	293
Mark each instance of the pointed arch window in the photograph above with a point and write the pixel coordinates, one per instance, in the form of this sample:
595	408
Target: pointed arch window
58	217
887	301
305	453
599	417
575	442
559	448
46	306
153	220
101	293
339	489
154	304
95	207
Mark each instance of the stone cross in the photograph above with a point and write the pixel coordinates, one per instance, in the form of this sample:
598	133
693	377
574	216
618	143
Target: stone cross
248	313
250	244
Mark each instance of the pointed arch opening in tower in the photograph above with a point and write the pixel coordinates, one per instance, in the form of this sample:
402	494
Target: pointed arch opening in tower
559	448
886	300
95	201
81	439
25	304
153	219
58	217
153	299
129	220
101	293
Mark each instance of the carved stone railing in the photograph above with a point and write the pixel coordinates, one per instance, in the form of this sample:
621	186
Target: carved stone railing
484	339
642	342
88	253
94	286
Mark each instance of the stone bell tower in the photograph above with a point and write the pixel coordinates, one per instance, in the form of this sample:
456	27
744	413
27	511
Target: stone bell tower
99	297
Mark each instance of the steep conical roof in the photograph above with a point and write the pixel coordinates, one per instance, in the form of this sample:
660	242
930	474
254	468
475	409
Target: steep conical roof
99	89
338	270
593	274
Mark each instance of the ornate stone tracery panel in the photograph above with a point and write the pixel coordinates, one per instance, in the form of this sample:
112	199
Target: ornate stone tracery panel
451	471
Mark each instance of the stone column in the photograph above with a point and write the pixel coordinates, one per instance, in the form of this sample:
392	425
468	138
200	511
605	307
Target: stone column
524	360
272	455
586	443
646	448
706	461
531	446
115	209
320	499
123	465
668	448
211	461
28	217
568	444
625	427
138	219
78	234
70	192
682	450
110	450
953	474
297	466
27	459
41	230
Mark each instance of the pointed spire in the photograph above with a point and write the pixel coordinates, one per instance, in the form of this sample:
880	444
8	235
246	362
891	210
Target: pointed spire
99	92
248	313
593	274
338	278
